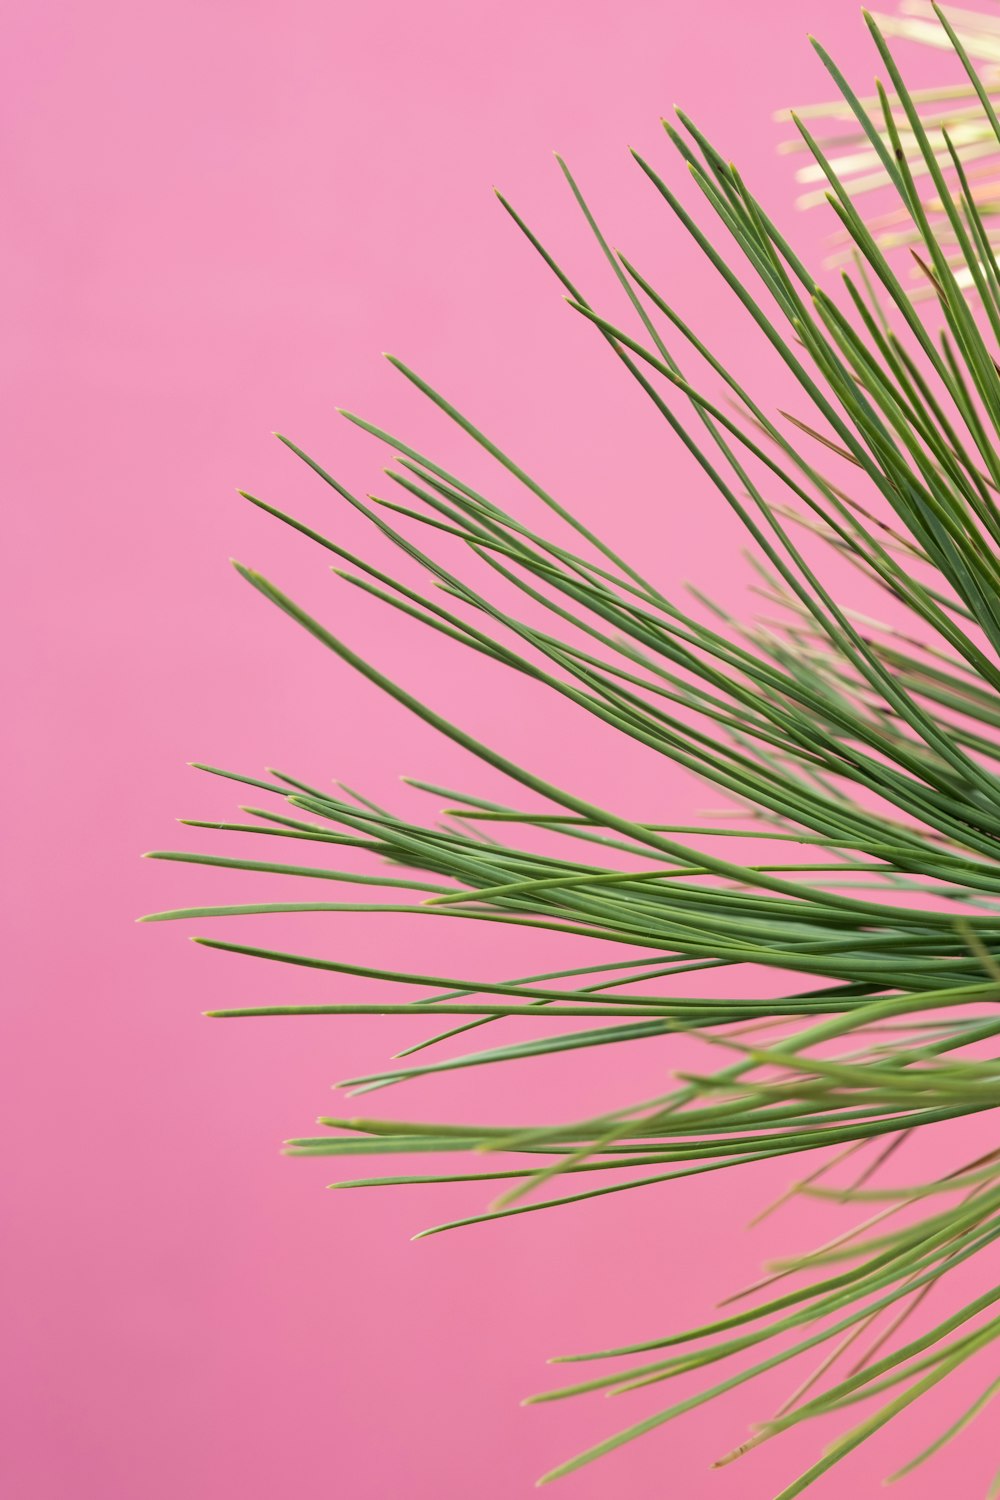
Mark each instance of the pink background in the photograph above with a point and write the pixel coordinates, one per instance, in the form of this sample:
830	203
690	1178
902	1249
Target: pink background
217	215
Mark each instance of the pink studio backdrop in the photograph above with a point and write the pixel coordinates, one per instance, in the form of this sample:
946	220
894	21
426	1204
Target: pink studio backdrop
217	215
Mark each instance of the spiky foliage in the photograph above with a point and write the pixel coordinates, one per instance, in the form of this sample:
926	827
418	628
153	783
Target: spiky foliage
861	756
951	107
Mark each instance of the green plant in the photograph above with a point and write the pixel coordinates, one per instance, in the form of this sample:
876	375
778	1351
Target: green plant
869	745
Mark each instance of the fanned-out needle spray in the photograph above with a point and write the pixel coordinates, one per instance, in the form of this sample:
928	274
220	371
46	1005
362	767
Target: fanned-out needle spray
857	753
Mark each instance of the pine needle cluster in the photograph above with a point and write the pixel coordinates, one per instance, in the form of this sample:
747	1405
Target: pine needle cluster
861	757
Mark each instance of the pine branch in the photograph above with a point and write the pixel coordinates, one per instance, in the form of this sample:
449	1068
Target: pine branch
859	757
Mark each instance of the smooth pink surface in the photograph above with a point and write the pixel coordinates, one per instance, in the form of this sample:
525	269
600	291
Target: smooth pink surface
217	215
